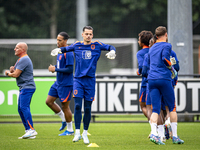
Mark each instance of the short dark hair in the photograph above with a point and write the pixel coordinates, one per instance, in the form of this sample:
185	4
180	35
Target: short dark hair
161	30
145	36
87	27
65	35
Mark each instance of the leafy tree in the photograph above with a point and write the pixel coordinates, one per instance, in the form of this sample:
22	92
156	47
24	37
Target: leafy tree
196	16
126	18
110	18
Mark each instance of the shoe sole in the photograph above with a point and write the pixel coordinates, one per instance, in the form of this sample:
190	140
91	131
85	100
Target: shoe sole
65	134
154	141
85	142
32	137
25	137
76	140
62	128
178	142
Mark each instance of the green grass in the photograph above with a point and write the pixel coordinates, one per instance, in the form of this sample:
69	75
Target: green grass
109	136
55	118
99	118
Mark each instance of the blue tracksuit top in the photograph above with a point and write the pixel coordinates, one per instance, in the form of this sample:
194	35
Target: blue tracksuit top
86	56
140	59
159	56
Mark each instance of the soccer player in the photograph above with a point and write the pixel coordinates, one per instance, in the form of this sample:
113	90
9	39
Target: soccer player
87	53
23	72
145	71
143	41
175	63
159	79
63	86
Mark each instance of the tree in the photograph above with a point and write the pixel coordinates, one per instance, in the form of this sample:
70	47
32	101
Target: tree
110	18
196	16
126	18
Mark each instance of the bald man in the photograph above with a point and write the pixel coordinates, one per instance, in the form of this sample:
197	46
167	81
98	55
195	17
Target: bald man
23	72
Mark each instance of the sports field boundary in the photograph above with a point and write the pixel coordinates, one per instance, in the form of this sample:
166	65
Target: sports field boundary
96	118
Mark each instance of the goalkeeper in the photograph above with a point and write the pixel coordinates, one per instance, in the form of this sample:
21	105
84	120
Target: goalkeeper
87	53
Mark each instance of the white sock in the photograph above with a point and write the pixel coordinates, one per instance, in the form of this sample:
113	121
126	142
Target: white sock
77	131
169	120
154	129
161	131
69	126
149	122
61	115
174	128
84	131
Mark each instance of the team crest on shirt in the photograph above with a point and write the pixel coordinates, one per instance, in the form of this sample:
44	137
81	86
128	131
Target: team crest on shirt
86	54
75	92
92	46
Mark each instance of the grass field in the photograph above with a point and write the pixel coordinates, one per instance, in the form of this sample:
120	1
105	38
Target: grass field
55	118
108	136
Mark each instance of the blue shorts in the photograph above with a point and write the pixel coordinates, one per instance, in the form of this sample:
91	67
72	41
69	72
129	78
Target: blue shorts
142	96
148	98
162	104
84	87
158	88
63	92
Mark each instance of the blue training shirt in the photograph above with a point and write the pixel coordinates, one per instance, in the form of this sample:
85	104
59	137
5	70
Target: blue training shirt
25	80
140	59
145	68
86	56
64	60
159	56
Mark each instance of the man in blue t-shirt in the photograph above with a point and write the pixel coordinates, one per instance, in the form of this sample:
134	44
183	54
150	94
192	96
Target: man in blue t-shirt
63	86
87	53
23	72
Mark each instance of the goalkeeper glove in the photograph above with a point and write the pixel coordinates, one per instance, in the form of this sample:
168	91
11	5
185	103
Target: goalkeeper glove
55	51
172	60
111	54
173	71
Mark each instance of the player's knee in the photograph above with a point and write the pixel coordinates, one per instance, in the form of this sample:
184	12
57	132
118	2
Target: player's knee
48	103
78	107
87	110
142	105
